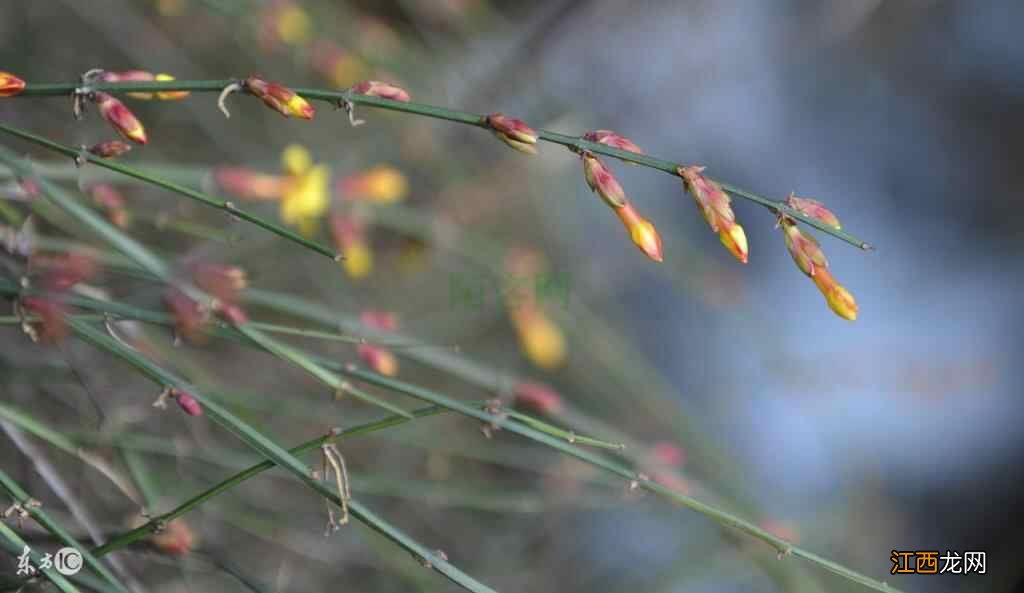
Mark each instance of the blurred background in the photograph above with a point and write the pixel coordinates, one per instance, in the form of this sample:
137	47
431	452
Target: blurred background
899	431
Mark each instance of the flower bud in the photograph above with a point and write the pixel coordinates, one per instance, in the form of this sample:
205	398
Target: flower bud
373	88
189	316
381	184
109	149
610	138
120	117
602	182
813	209
538	397
51	326
10	84
175	539
232	313
715	206
248	184
223	282
668	454
382	320
378	359
128	76
838	298
188	403
513	132
641	231
63	271
169	95
804	248
279	98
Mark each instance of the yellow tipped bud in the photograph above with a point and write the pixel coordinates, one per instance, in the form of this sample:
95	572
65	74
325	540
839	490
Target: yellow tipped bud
10	84
839	299
641	231
513	132
735	240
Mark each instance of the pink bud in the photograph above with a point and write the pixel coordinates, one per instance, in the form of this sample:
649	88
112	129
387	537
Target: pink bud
379	320
120	117
602	182
188	403
109	149
609	138
373	88
513	132
668	454
813	209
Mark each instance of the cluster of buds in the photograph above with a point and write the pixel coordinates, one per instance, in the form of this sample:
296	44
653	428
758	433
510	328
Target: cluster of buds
379	359
278	97
513	132
809	257
716	207
143	76
55	276
224	284
540	338
601	181
349	234
10	84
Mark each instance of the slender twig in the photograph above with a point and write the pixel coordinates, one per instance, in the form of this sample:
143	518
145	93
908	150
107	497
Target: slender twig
575	143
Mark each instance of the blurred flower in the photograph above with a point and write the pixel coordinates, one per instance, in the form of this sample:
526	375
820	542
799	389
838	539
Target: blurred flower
279	98
378	359
668	454
538	397
809	257
813	209
350	240
513	132
338	65
190	318
232	313
641	231
223	282
10	84
120	117
304	195
384	90
540	337
383	320
169	95
61	272
376	37
286	22
51	327
187	402
110	200
381	184
248	184
787	530
109	149
610	138
716	207
175	539
602	182
54	275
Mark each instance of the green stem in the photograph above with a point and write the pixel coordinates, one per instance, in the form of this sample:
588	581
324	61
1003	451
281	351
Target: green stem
224	205
572	142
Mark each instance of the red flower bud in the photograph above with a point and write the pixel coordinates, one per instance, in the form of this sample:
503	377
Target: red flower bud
109	149
539	398
10	84
188	403
221	281
129	76
513	132
175	539
813	209
382	320
602	182
66	270
609	138
120	117
373	88
378	359
189	317
715	206
279	98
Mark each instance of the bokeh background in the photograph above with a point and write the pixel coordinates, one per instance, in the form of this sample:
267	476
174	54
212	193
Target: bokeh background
898	431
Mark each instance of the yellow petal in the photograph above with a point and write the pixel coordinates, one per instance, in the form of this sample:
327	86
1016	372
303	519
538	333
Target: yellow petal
296	159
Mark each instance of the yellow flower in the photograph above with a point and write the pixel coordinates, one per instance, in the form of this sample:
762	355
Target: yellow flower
381	184
304	198
293	24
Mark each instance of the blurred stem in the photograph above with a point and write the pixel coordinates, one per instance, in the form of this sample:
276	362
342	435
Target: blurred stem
575	143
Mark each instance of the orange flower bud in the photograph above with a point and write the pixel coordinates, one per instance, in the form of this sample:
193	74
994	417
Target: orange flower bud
538	397
10	84
715	206
279	98
225	283
169	95
120	117
813	209
248	184
378	359
513	132
641	231
109	149
610	138
373	88
805	249
175	539
602	182
839	299
381	184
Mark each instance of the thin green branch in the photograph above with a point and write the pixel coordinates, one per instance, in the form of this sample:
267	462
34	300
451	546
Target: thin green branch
43	518
463	117
220	204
